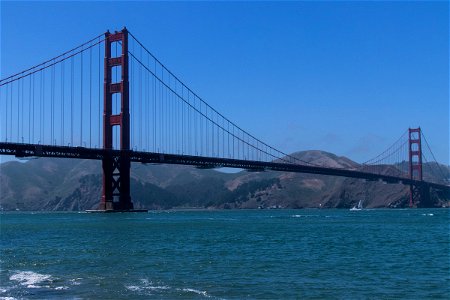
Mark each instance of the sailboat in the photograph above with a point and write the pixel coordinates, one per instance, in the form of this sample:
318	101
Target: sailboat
358	207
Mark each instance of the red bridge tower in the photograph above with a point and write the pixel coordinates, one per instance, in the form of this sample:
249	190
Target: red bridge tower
420	192
116	168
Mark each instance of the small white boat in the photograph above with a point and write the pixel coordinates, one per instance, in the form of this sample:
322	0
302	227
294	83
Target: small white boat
358	207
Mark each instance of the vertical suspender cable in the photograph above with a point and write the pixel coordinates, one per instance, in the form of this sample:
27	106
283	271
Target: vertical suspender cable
163	113
71	99
168	117
218	135
188	140
173	102
148	106
34	125
248	147
234	138
29	111
154	110
228	139
22	100
62	102
11	114
81	100
90	97
7	101
99	99
206	131
18	110
223	137
176	120
182	121
140	102
43	107
41	80
53	105
172	118
195	126
201	130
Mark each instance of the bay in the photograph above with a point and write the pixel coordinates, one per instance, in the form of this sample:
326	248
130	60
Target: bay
229	254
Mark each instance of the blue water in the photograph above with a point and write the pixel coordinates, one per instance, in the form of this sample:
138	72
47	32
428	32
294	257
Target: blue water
258	254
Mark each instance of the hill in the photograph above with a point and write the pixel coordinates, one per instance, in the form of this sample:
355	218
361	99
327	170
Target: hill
65	184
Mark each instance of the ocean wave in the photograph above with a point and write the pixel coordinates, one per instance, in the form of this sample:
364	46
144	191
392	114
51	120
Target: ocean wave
304	216
202	293
134	288
75	281
33	280
146	286
149	286
30	279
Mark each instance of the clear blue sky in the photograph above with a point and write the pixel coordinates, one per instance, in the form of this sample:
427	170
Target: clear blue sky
344	77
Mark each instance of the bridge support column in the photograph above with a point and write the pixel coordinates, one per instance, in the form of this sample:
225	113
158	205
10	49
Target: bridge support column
421	195
116	168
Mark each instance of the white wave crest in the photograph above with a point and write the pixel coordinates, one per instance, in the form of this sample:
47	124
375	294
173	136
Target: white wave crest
75	281
146	285
30	279
203	293
133	288
304	216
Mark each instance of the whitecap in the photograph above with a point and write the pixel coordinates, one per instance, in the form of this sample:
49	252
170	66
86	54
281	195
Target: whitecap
133	288
203	293
150	285
146	286
304	216
59	288
161	287
30	279
75	281
32	286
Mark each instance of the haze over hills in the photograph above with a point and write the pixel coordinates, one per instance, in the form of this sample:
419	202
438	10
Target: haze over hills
68	184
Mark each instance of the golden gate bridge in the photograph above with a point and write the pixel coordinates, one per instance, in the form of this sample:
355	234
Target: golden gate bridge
111	99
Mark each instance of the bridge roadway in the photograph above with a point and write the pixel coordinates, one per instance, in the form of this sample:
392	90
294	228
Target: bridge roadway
35	150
